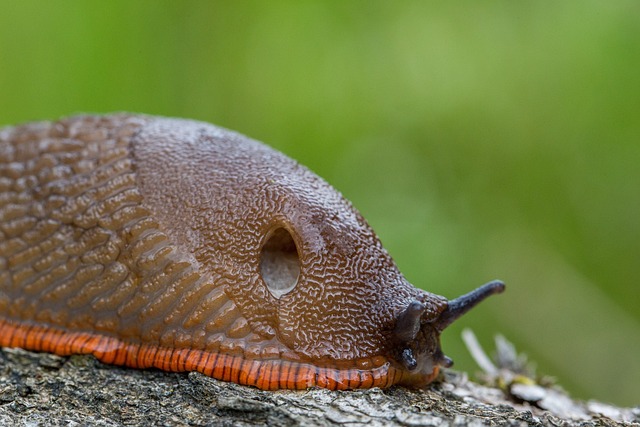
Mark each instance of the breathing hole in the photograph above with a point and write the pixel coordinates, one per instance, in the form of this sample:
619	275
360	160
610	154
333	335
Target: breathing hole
280	263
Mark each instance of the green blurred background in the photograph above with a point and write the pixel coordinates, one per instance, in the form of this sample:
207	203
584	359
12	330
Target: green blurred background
482	140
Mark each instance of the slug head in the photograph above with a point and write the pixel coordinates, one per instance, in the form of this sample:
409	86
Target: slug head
417	334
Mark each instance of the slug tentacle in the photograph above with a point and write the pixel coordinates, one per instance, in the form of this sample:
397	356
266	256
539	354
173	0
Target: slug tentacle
461	305
408	323
409	360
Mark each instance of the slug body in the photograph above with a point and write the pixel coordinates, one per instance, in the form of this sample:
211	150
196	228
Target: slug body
155	242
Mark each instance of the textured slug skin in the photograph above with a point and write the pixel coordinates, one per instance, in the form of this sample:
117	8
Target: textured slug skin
141	240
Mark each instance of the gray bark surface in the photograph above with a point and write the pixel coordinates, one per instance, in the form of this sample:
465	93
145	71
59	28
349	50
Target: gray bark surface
43	389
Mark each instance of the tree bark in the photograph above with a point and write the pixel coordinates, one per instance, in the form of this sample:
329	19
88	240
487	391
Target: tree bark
43	389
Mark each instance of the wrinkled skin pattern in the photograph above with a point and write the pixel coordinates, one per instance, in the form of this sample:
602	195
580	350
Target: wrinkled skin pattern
229	192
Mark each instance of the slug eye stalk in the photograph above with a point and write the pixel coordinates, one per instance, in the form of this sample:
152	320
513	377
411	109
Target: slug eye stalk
408	323
461	305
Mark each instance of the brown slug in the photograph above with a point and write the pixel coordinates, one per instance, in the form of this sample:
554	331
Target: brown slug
175	244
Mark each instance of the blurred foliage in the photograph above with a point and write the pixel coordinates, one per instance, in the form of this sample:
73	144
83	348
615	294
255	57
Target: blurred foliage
480	139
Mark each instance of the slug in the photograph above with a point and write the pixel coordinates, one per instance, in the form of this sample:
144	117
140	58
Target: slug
173	244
